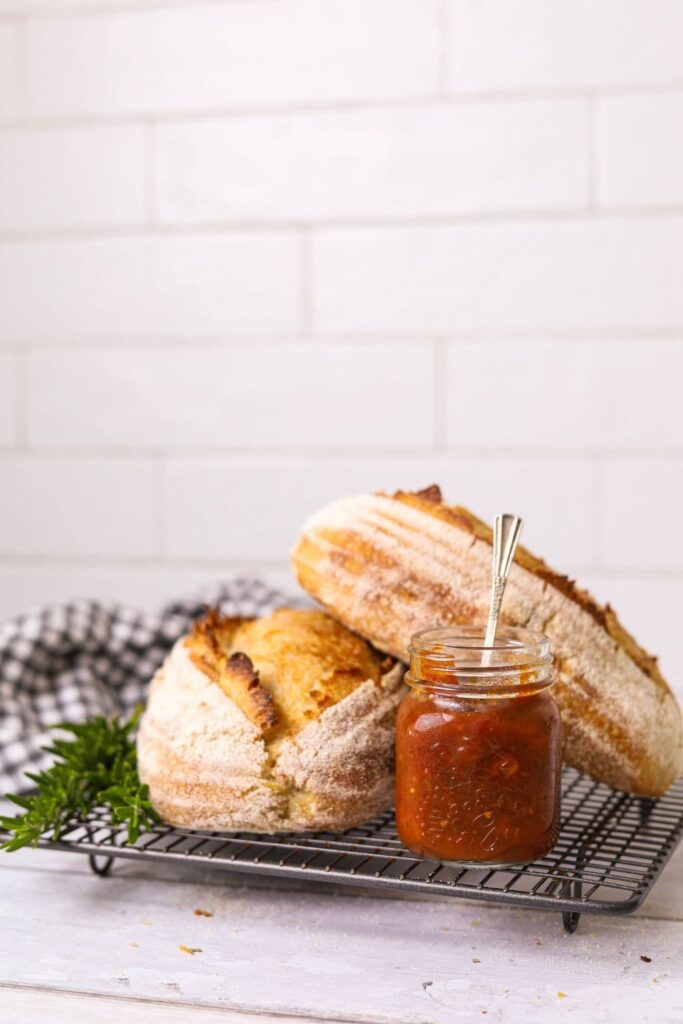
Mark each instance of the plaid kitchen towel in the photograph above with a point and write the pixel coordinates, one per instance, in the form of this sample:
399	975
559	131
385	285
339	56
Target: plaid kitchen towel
69	662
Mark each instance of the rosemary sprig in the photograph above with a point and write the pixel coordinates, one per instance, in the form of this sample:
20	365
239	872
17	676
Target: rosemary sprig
97	768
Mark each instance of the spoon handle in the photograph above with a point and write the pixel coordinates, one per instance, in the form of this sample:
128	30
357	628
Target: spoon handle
506	531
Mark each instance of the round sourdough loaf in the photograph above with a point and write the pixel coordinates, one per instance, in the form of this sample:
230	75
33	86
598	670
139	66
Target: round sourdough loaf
388	566
277	724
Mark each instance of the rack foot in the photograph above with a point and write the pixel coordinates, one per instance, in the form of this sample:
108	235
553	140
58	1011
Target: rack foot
570	921
646	807
102	869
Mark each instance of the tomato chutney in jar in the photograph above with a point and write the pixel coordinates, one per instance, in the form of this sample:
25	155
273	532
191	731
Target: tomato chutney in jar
479	748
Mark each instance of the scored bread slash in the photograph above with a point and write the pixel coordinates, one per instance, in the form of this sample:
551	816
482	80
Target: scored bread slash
388	566
211	757
234	672
240	681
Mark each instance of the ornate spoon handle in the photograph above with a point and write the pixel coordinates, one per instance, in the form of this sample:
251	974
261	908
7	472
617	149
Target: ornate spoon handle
506	531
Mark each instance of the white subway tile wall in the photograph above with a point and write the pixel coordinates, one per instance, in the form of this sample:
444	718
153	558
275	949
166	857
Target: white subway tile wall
226	55
642	514
257	255
570	44
8	400
72	178
85	506
222	508
579	395
9	71
640	150
348	165
162	285
592	273
281	396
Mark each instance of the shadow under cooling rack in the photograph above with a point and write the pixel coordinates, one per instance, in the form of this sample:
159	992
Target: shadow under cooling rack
610	851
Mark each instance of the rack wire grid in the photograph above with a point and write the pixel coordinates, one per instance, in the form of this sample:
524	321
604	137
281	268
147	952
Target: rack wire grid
611	849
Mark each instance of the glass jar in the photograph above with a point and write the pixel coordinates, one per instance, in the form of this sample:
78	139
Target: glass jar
479	748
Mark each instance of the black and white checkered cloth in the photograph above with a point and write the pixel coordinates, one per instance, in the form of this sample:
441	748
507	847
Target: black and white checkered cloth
66	663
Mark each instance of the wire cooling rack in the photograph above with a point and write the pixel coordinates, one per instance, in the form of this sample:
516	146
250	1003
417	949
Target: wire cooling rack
611	849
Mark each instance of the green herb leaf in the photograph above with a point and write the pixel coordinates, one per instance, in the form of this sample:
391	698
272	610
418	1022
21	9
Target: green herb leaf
97	768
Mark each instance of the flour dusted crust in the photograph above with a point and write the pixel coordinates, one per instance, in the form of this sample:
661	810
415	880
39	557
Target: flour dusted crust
389	566
315	765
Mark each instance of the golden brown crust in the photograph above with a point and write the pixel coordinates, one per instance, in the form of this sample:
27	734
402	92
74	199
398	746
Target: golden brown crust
390	565
283	670
240	681
328	763
209	640
215	631
430	500
210	645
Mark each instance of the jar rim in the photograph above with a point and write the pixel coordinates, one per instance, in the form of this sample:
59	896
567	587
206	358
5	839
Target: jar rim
445	657
471	638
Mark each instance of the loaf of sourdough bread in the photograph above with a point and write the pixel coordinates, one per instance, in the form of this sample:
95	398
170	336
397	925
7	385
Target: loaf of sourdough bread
274	724
388	566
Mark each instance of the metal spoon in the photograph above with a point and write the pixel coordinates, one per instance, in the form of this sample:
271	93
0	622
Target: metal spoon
506	531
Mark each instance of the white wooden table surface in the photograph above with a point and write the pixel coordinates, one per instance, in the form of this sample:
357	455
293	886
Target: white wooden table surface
75	947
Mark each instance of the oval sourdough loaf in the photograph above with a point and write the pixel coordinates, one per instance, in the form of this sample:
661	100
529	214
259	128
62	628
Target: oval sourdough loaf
388	566
274	724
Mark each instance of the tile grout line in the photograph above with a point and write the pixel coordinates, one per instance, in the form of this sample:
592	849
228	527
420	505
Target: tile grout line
159	503
67	11
22	77
130	562
363	103
598	497
150	175
199	563
78	8
372	450
21	424
306	283
440	395
294	226
150	344
592	144
444	49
